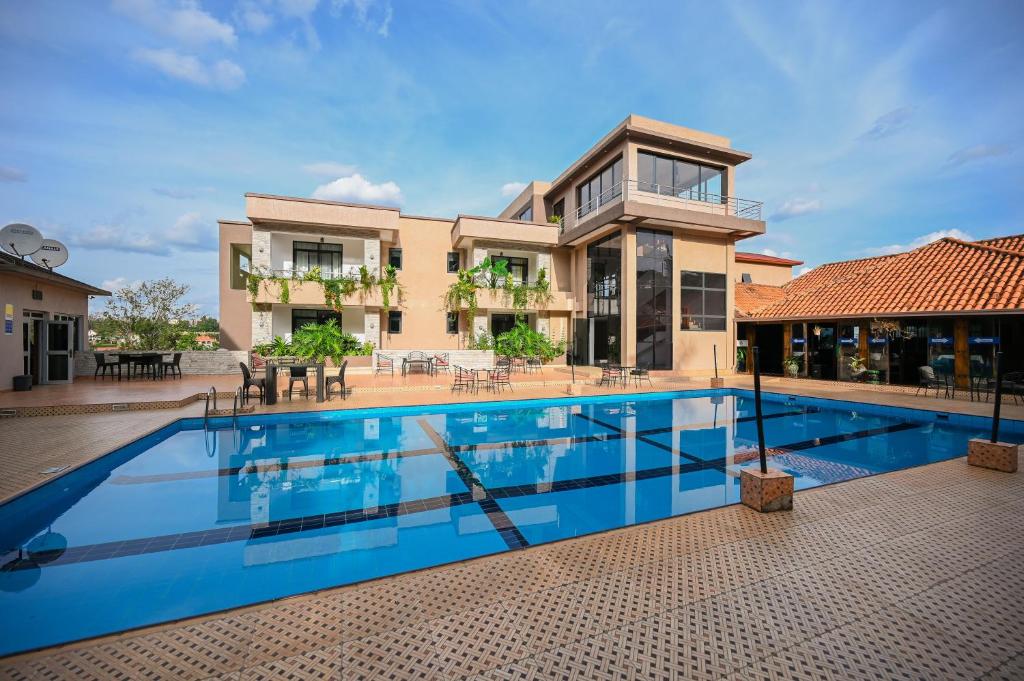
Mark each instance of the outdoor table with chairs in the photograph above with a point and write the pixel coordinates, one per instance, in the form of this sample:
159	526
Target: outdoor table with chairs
489	378
298	372
621	374
153	365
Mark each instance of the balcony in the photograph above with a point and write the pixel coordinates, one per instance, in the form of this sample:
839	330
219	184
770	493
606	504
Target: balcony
497	299
310	293
658	205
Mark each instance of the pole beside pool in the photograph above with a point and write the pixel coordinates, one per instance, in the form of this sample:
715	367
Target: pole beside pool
757	411
764	489
991	453
717	381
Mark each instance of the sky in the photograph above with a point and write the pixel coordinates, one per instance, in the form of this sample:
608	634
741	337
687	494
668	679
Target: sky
128	127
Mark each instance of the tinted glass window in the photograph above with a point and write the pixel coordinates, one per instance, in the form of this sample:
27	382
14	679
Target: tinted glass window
394	321
670	176
452	323
703	303
395	258
453	262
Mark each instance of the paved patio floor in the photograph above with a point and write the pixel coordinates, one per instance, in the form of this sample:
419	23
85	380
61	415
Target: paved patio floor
912	574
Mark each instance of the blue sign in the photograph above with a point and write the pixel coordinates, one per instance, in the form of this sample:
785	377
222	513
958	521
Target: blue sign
799	341
847	341
940	341
876	341
8	326
983	340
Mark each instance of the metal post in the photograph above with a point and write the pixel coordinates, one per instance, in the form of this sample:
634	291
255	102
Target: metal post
572	360
998	396
714	348
757	411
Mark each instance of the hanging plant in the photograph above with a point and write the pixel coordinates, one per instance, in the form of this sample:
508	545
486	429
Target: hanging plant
389	285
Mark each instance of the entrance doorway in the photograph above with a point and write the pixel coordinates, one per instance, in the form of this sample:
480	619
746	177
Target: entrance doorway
60	352
769	344
31	345
822	352
500	323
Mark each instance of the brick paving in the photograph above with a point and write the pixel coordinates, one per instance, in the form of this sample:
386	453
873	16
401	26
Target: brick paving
912	574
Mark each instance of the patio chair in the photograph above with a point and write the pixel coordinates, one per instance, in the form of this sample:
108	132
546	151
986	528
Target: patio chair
248	381
639	374
298	375
384	363
1013	384
519	364
441	362
149	363
338	380
173	364
927	380
611	374
498	379
102	365
465	379
503	362
534	365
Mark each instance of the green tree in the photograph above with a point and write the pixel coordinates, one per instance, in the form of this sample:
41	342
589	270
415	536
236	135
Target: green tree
147	315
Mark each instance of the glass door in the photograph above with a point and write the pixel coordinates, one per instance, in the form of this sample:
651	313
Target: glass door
59	352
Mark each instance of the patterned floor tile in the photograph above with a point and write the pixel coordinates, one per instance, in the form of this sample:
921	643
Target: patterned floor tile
404	654
295	627
596	659
313	664
473	642
552	618
1011	670
386	605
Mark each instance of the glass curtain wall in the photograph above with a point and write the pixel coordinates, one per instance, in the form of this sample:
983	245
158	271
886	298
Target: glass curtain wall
849	348
798	347
602	188
674	177
600	336
653	299
940	346
309	254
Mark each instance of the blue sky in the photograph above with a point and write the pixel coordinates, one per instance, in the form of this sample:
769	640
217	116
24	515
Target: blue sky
128	127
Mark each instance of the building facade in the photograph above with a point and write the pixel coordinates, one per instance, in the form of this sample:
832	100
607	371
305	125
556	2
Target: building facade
46	322
635	244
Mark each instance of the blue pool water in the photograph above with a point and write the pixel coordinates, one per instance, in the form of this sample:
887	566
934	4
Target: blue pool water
186	521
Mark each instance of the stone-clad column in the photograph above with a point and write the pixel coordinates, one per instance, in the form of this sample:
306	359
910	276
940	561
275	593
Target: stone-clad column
260	251
371	255
262	324
371	326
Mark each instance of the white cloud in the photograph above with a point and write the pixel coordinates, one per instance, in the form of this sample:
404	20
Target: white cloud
976	153
771	252
803	270
9	174
117	283
795	208
358	189
512	188
117	238
188	233
372	15
252	17
222	75
889	124
191	233
182	192
184	21
329	169
923	240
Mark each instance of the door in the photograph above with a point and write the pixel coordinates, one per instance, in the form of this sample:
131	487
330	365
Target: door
500	323
823	352
60	351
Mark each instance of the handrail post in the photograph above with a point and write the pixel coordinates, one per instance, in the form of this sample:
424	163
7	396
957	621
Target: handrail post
757	411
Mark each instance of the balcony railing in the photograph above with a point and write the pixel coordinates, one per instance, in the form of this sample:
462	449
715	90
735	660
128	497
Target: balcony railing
664	195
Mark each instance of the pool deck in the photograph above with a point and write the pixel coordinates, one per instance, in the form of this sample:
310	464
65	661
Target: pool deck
910	574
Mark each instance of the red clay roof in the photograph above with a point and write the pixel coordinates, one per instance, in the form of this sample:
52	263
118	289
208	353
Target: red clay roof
948	275
742	256
750	297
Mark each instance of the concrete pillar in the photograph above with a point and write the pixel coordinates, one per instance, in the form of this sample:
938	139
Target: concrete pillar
478	256
260	252
751	342
865	333
961	354
371	325
628	297
371	257
262	324
543	323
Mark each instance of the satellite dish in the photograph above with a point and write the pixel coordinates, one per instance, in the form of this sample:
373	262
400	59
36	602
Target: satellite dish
20	239
51	254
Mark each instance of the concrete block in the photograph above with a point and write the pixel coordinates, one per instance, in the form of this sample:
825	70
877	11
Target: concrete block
766	492
999	456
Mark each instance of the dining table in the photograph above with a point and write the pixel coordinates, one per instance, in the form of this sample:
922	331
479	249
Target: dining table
143	358
273	368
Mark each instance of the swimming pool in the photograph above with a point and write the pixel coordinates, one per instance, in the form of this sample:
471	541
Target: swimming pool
185	521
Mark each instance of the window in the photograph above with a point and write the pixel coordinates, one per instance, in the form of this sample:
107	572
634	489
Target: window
240	265
309	254
395	258
452	323
703	301
675	177
526	214
601	189
558	210
302	317
653	299
454	260
519	268
394	321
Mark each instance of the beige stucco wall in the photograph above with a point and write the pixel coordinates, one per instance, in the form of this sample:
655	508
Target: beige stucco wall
760	273
17	290
693	351
235	311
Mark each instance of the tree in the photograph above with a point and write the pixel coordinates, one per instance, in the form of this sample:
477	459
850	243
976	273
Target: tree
206	323
146	315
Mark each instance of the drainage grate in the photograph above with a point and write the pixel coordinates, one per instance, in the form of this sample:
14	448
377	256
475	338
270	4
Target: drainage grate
120	406
8	412
52	469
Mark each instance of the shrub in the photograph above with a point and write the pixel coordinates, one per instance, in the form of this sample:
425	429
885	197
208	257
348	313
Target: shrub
522	341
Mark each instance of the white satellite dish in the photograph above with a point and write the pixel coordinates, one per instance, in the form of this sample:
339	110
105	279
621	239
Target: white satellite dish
51	254
20	239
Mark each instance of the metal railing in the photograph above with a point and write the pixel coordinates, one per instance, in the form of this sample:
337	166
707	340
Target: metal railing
212	392
689	198
235	405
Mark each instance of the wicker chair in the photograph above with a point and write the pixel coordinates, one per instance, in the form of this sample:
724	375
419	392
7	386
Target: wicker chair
298	375
102	366
338	380
173	365
248	381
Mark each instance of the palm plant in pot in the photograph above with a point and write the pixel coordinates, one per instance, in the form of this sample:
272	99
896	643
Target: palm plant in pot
792	366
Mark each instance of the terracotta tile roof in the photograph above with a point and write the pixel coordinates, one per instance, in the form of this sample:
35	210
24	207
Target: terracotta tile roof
750	297
948	275
743	256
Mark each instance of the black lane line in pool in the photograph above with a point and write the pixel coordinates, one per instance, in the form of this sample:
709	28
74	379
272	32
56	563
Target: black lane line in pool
400	454
134	547
513	538
641	438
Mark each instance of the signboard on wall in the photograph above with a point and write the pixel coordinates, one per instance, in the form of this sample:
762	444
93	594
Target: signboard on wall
983	340
940	341
798	341
8	319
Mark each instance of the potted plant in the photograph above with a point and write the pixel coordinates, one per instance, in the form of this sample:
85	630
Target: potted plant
792	366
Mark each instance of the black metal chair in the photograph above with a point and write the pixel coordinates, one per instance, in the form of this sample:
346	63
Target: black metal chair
465	379
926	380
441	362
498	379
248	381
1013	384
639	374
102	366
173	365
298	375
338	380
611	374
534	365
149	363
384	363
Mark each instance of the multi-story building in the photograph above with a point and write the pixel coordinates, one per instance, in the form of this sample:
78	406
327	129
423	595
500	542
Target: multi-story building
634	242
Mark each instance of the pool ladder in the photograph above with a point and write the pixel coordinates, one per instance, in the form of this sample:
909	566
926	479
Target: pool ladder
236	403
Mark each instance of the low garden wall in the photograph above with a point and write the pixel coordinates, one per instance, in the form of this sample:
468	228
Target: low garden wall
196	362
469	359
